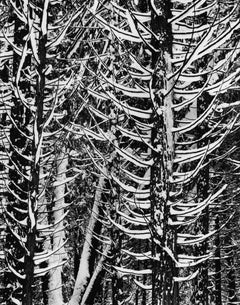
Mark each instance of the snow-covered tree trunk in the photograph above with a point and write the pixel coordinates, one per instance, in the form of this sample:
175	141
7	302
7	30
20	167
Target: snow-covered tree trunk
162	140
88	295
33	187
19	177
6	94
55	284
85	269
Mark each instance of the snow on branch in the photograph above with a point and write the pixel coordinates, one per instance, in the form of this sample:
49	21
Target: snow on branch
136	234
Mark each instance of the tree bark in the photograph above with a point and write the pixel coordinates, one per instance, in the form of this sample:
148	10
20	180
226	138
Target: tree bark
33	187
162	270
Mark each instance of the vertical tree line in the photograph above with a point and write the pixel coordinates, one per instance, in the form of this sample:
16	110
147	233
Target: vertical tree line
119	119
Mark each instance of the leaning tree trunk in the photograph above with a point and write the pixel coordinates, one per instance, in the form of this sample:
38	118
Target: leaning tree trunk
85	272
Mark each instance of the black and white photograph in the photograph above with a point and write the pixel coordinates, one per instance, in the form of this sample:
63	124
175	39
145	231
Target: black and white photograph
120	152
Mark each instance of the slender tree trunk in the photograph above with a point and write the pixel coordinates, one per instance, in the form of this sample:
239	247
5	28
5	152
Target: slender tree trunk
55	295
33	188
162	270
218	272
29	269
43	218
92	289
200	289
84	271
231	278
20	116
117	239
5	90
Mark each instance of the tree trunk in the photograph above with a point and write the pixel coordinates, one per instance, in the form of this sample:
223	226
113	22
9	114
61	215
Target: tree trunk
162	270
29	270
55	295
33	186
92	289
231	278
84	271
218	271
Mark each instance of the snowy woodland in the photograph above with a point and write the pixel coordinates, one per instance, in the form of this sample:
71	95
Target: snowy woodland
119	152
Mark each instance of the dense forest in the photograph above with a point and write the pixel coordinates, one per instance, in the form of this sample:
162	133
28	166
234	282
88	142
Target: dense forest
119	152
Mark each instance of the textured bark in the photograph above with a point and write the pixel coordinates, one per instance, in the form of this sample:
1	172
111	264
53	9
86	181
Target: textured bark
27	188
163	270
218	271
35	171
